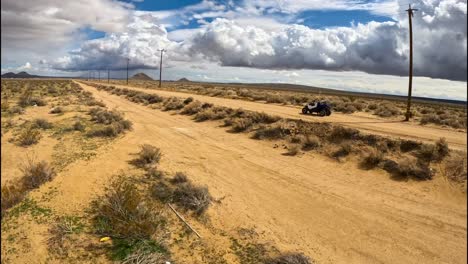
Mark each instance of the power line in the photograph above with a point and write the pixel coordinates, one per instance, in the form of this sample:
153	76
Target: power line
410	83
128	61
160	66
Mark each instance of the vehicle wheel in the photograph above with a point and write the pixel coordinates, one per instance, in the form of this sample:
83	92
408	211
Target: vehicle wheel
328	112
323	113
304	110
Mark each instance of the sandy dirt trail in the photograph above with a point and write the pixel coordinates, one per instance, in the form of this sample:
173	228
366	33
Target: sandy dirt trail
372	124
333	212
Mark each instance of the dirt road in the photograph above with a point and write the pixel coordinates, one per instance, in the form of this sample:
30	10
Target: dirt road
331	211
372	124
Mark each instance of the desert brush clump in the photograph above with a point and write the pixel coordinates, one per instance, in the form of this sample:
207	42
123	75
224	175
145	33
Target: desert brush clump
34	175
192	197
179	177
28	136
372	159
410	167
122	214
148	155
111	123
343	150
455	166
172	103
41	123
290	258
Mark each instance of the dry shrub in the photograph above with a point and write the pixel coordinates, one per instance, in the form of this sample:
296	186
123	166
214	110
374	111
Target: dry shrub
154	173
293	149
25	98
142	256
102	116
12	194
179	177
192	108
162	192
16	110
122	213
60	231
241	124
410	167
56	110
192	197
263	118
172	103
188	100
343	150
270	132
149	155
296	138
454	168
372	159
442	149
28	136
290	258
436	152
409	145
387	110
78	126
212	113
41	123
111	130
36	173
310	142
340	133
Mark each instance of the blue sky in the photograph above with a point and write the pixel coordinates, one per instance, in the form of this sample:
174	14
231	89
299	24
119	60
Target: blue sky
363	45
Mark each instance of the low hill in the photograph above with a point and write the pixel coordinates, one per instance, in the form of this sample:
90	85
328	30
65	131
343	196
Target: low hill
183	80
22	74
141	76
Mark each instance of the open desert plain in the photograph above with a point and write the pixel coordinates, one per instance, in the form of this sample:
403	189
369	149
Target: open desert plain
106	160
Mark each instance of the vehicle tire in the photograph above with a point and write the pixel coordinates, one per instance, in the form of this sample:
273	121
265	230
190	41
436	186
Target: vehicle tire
305	110
328	112
323	113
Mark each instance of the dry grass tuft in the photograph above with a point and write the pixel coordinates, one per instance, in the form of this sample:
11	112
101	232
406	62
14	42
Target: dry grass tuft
192	197
36	173
149	155
290	258
28	136
179	177
454	168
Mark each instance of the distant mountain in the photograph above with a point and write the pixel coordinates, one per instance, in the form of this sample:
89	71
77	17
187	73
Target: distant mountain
141	76
184	80
19	75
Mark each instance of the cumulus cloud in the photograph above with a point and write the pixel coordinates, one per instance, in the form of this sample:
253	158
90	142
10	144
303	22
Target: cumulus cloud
140	43
374	47
24	67
47	27
379	48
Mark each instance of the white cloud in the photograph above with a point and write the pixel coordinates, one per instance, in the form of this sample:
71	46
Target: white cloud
24	67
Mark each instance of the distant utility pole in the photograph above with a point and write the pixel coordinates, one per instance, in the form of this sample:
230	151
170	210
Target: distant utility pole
128	61
99	75
108	74
408	107
160	67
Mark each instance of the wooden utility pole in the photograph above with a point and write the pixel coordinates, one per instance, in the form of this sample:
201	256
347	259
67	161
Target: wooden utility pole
99	75
108	75
128	61
408	107
160	66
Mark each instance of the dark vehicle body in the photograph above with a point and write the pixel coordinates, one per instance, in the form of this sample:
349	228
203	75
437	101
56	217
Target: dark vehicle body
322	109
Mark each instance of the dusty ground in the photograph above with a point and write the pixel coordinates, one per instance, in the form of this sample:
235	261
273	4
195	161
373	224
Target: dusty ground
333	212
362	121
